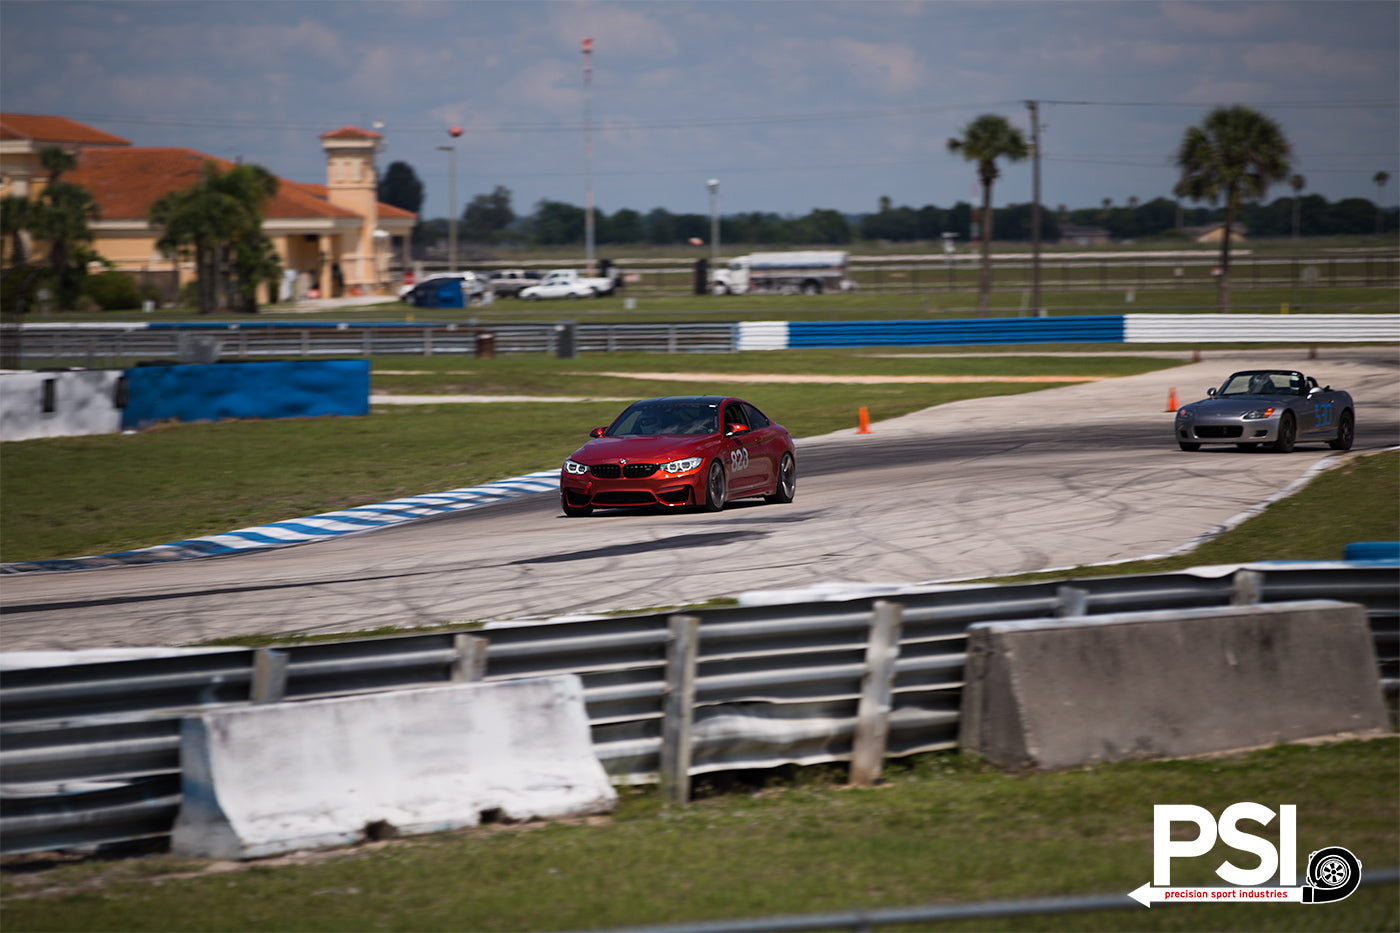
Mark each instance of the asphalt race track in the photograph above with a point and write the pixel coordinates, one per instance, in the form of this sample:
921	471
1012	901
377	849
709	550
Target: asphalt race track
1077	475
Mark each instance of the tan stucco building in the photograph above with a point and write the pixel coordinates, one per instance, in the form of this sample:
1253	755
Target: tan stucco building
335	238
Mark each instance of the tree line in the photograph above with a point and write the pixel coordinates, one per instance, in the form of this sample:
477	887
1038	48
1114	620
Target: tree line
556	223
491	219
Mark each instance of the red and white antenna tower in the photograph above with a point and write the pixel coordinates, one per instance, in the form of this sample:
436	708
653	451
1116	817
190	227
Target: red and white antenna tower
588	153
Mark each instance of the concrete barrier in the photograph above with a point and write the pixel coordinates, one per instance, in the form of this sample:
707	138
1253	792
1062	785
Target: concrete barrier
1068	692
267	779
59	404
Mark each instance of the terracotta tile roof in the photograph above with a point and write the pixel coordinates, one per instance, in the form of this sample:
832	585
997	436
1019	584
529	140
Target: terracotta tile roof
44	129
350	132
126	182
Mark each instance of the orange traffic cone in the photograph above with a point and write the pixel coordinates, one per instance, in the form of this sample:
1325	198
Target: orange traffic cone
1171	400
864	421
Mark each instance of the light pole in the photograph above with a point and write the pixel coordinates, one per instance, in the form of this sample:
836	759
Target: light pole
713	185
452	196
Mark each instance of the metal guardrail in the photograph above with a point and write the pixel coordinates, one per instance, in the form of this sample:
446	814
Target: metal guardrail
205	343
106	345
89	753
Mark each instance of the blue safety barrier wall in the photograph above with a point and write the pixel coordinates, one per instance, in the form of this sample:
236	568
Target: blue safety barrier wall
1107	328
219	391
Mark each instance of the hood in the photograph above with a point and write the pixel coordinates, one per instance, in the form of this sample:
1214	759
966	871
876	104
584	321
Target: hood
1232	407
661	449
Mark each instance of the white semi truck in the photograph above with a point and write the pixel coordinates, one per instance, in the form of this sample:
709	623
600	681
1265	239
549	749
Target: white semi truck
806	272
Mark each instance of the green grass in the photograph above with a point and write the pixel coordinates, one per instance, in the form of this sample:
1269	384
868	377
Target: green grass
943	829
79	496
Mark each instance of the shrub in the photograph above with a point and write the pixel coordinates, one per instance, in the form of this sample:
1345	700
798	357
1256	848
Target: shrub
189	295
114	291
19	288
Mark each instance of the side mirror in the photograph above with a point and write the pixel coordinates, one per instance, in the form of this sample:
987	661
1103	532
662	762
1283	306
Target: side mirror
596	432
737	429
1210	391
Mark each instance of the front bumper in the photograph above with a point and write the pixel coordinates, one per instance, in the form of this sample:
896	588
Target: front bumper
669	490
1227	430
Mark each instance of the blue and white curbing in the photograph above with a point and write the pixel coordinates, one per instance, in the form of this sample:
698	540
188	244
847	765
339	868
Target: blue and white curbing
315	528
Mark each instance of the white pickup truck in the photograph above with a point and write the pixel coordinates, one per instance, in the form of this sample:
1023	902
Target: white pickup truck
569	283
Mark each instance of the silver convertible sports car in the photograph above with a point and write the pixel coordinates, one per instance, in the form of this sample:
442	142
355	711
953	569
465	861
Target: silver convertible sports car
1277	407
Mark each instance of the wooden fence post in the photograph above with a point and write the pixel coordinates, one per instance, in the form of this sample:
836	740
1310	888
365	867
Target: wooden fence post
876	694
679	713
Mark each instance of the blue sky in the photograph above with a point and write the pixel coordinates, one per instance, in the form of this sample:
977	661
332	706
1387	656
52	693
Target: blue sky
790	104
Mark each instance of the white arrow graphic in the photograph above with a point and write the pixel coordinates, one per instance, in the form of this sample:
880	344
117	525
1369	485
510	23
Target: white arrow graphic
1147	895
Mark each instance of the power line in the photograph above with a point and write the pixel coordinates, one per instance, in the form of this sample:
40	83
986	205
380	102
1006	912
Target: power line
716	122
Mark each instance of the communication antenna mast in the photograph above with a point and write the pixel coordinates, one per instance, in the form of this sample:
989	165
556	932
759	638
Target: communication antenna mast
588	153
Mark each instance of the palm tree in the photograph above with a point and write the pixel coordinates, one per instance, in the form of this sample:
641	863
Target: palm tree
16	218
219	219
62	221
986	139
57	161
60	217
253	255
1380	178
1297	183
1236	153
191	222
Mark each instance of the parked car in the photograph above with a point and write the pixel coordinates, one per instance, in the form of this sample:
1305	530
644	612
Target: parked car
569	283
681	451
473	285
508	283
1277	407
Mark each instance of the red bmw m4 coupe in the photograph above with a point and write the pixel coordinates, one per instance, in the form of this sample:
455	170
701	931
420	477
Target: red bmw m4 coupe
681	451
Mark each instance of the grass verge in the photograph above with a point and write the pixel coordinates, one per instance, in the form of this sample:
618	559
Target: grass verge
942	829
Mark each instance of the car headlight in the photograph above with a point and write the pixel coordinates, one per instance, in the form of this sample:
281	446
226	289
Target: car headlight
1184	413
572	467
1258	413
684	465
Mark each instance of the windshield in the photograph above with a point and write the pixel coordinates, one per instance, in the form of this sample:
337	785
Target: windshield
1264	382
663	417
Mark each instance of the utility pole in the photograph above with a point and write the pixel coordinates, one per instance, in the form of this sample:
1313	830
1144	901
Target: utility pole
1035	205
451	151
588	154
713	185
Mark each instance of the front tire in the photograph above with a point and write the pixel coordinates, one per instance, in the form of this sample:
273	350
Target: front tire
1287	434
1346	433
716	488
786	487
1188	446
